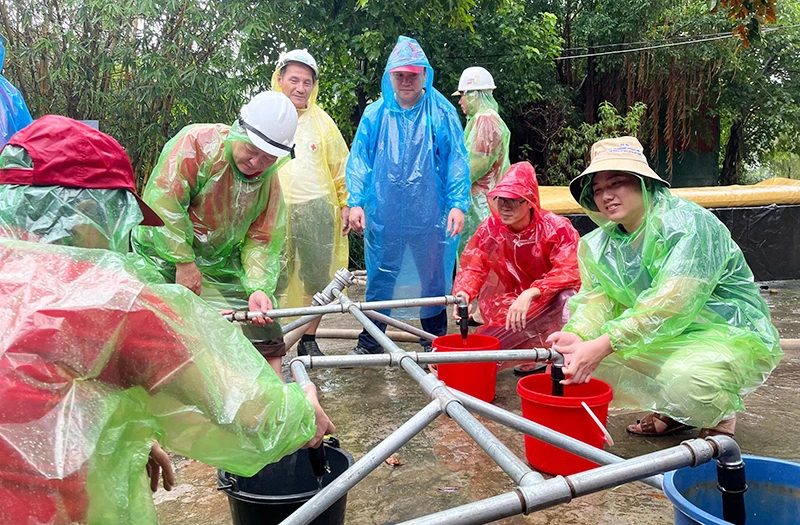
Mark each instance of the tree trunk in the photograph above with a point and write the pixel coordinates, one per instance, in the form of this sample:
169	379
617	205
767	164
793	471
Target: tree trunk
732	164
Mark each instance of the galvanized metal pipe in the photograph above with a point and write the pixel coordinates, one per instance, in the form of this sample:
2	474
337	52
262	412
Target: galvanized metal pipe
505	459
562	489
341	280
299	373
399	324
545	434
335	308
477	513
364	466
516	469
424	358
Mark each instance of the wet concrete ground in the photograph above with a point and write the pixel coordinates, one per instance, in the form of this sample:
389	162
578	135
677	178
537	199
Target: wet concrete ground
443	468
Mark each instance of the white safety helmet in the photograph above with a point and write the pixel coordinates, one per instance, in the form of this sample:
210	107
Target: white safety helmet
301	56
474	79
270	120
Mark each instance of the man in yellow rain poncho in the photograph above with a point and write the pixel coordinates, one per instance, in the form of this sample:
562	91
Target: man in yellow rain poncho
668	312
99	358
486	137
216	188
314	190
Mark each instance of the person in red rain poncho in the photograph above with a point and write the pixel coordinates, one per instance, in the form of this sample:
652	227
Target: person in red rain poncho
99	358
521	264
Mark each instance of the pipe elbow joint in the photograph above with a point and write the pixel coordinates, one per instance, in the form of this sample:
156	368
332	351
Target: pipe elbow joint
557	358
726	450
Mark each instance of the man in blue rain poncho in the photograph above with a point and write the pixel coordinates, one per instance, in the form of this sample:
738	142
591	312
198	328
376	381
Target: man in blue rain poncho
408	178
14	114
668	312
99	358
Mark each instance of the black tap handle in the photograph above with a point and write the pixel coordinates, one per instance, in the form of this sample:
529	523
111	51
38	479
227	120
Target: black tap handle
319	463
463	324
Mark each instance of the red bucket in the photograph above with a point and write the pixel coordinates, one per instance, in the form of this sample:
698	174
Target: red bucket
476	379
565	415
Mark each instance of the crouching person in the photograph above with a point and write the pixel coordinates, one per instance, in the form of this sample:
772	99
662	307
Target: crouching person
97	363
521	264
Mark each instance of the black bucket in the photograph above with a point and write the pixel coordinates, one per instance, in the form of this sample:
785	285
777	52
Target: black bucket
281	488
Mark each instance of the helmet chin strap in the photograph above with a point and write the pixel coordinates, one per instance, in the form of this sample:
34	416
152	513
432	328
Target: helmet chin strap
266	139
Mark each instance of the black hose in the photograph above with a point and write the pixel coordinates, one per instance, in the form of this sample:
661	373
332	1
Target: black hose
732	483
557	375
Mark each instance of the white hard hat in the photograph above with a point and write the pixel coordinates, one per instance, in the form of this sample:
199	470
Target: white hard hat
301	56
474	79
270	120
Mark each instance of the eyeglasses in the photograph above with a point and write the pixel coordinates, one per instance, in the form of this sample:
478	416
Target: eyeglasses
503	202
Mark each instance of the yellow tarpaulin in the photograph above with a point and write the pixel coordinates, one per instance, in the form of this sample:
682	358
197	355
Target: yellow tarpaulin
771	191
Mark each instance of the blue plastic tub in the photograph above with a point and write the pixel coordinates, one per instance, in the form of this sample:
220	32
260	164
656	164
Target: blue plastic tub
773	494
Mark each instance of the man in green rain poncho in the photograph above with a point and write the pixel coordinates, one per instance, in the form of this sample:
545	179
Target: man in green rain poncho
99	358
216	188
314	191
668	313
486	137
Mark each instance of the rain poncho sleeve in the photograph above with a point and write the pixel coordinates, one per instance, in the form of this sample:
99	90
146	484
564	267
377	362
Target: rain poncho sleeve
359	165
690	333
174	184
230	225
408	169
499	264
95	365
263	243
14	114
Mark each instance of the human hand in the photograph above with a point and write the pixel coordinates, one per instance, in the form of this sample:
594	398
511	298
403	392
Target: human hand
517	316
345	220
465	296
159	462
582	359
357	220
260	302
455	222
188	275
321	419
563	339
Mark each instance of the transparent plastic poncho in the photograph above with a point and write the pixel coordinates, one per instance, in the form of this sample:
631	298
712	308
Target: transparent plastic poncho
691	335
231	226
314	191
14	114
99	359
498	264
486	138
407	169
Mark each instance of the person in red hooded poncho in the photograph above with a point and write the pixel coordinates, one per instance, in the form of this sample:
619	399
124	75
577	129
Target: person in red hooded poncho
521	264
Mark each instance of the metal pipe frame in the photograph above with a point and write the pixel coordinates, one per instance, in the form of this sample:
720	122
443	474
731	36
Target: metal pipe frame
399	324
426	358
506	460
364	466
242	316
533	492
563	489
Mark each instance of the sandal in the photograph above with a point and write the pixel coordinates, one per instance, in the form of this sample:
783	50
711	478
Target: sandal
648	426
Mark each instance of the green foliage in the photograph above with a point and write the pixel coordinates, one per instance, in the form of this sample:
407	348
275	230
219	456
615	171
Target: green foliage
146	68
574	144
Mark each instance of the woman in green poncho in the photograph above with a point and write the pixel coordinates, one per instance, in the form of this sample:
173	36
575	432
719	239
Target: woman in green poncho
668	313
